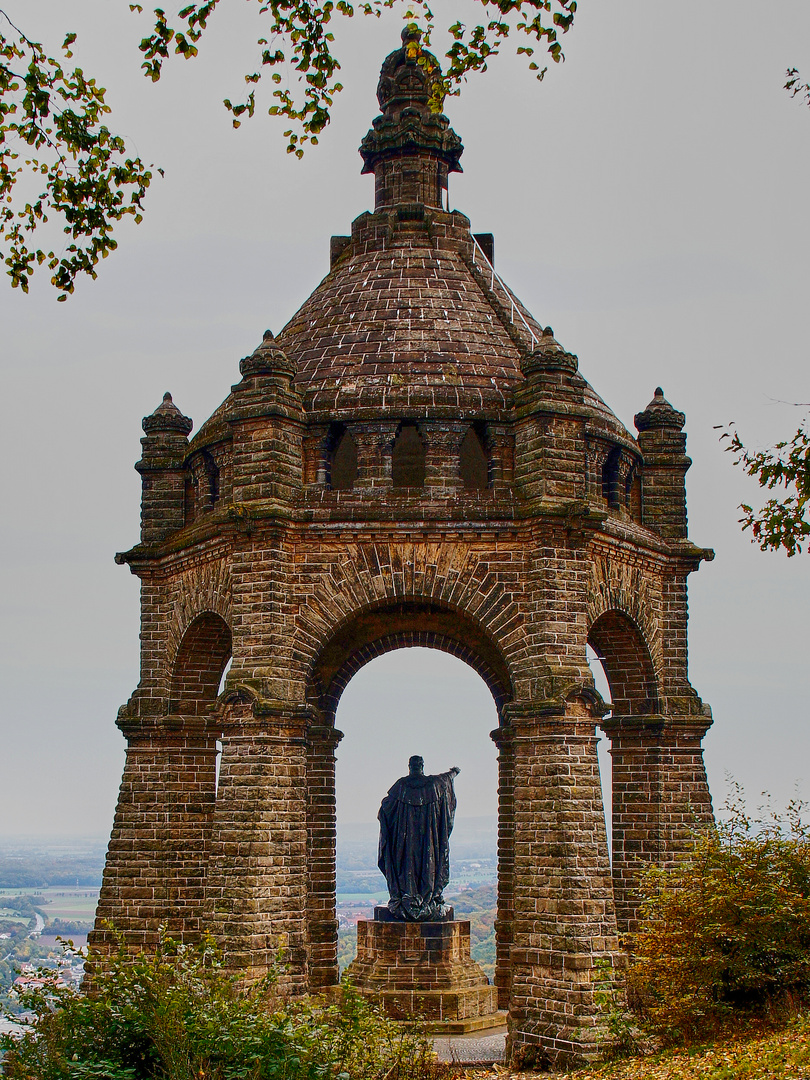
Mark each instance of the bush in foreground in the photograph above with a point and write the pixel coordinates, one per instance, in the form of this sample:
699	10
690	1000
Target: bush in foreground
725	934
175	1015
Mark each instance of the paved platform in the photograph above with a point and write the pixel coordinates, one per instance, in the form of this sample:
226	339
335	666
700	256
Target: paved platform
484	1047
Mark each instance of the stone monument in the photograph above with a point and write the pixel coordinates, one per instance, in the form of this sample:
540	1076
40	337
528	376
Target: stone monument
413	460
416	819
414	958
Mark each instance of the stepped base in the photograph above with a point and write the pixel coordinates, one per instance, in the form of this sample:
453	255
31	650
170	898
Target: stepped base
422	971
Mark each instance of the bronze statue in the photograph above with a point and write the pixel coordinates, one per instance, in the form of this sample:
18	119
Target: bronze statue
416	819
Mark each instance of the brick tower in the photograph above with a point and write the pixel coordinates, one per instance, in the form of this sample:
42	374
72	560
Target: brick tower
412	461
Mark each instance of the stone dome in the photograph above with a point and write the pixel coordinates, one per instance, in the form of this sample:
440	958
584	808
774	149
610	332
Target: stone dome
412	318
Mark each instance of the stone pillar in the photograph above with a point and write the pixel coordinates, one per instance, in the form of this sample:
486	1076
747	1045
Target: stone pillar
442	460
564	917
257	892
322	742
375	443
500	445
156	860
660	796
316	444
549	436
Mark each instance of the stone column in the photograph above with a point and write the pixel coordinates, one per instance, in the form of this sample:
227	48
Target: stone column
316	444
322	742
564	919
500	445
156	860
165	445
504	922
257	891
375	442
443	452
663	444
660	796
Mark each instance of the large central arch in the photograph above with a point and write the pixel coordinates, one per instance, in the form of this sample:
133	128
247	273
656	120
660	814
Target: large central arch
367	633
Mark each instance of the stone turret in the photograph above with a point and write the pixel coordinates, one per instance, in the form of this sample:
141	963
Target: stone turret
165	445
266	418
550	412
663	444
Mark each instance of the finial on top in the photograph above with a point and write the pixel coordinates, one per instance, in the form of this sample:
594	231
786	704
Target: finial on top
659	414
548	355
412	128
167	417
268	359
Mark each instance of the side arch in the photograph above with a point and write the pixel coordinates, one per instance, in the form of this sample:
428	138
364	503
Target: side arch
204	651
199	590
619	643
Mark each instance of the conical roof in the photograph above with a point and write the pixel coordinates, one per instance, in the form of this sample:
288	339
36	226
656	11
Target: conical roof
407	328
411	321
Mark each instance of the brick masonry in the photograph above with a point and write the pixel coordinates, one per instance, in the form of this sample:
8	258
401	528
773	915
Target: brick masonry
574	533
421	970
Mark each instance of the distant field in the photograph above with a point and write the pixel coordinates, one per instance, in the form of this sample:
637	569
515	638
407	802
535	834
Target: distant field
62	902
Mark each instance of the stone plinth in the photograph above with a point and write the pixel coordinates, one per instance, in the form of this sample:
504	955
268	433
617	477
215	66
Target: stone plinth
421	970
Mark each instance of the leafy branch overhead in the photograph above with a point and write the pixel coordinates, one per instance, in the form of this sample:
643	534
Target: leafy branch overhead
55	145
299	48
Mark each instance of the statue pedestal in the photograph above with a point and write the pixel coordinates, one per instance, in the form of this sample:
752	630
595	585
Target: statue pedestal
423	970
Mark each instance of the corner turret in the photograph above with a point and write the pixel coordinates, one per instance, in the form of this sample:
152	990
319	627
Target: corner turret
663	445
165	445
266	419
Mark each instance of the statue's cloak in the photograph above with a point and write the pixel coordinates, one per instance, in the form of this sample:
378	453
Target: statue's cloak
416	819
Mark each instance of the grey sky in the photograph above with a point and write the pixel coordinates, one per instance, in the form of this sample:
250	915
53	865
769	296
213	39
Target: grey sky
648	200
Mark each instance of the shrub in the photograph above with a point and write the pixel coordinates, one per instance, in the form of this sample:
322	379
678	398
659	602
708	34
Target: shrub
726	932
176	1015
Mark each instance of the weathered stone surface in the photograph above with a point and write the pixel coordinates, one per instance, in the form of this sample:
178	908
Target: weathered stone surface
421	970
572	533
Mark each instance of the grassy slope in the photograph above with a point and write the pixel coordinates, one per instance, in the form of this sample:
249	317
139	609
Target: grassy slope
781	1055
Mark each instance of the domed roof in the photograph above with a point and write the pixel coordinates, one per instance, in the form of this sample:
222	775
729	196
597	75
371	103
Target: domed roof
411	321
407	328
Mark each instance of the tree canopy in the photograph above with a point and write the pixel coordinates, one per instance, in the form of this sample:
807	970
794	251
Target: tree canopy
784	521
55	145
58	157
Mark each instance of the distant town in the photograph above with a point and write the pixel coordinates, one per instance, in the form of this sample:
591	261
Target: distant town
49	890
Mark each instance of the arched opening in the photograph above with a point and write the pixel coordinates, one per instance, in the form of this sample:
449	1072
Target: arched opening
402	628
201	659
417	701
473	461
409	457
189	498
619	645
342	459
610	478
212	476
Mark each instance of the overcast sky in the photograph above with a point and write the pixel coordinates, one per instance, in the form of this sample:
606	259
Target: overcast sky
648	200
